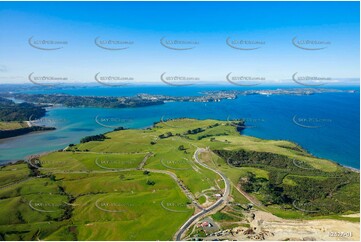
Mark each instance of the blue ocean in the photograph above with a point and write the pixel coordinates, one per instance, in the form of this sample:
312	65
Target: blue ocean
325	124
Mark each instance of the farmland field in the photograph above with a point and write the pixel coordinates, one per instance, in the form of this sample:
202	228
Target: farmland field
145	184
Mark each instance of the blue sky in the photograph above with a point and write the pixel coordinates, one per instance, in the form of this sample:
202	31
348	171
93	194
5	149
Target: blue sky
209	24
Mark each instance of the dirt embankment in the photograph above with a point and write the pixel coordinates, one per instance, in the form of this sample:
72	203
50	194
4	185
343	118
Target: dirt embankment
271	227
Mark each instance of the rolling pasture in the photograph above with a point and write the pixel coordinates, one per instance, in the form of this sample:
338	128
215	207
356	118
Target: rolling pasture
144	184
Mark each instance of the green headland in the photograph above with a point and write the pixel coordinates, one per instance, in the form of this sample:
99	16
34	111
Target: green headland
146	184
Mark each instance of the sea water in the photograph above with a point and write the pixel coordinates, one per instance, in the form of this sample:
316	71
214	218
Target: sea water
325	124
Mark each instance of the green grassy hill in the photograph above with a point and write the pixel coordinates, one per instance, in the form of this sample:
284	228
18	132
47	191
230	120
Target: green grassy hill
129	186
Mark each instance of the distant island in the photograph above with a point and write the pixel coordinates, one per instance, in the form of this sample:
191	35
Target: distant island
142	100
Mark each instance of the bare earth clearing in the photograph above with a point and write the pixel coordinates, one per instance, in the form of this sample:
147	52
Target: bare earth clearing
275	228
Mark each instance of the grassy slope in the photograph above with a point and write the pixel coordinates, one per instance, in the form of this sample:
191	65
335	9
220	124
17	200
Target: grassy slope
12	125
13	173
79	174
141	204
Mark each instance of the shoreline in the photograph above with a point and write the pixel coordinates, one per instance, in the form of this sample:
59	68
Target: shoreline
351	168
357	170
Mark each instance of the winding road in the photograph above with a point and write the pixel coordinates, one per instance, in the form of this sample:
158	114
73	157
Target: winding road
213	208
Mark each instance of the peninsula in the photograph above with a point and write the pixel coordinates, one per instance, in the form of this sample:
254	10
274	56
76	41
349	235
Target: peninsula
182	175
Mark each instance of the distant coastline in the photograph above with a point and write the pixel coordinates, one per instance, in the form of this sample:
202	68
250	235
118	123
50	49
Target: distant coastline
143	99
152	126
21	131
76	122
